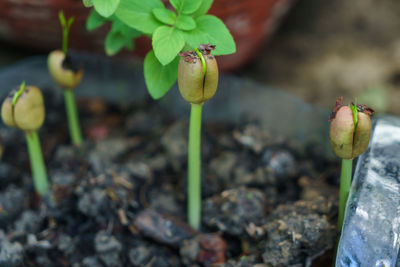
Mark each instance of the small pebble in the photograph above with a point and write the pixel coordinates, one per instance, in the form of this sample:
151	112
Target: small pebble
11	204
11	254
139	256
66	244
233	210
91	261
108	249
281	163
93	202
29	222
164	229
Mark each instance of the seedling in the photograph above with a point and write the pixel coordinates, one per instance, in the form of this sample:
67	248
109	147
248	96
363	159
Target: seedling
197	81
68	77
173	30
24	109
349	135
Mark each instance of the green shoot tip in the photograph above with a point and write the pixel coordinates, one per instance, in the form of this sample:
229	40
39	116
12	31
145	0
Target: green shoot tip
355	115
65	25
203	61
61	18
21	89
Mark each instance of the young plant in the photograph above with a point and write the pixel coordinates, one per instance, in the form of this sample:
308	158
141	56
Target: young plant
172	30
24	109
349	135
197	81
67	76
182	26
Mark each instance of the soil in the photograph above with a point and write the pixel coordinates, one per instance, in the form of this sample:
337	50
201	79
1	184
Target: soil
120	199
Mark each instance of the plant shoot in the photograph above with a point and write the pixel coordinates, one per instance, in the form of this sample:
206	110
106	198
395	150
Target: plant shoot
24	109
198	81
68	76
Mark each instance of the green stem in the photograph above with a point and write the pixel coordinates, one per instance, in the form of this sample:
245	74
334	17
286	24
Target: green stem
73	119
65	41
194	167
345	183
39	173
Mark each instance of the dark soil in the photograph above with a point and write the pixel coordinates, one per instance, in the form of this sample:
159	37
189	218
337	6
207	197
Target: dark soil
120	199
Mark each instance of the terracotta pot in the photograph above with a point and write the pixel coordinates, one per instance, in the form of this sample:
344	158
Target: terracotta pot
34	23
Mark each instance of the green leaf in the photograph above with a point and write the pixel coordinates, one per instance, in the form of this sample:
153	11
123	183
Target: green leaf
87	3
120	36
167	43
62	20
94	21
106	7
203	9
138	14
159	78
185	23
185	6
70	21
114	43
130	44
164	15
128	32
211	30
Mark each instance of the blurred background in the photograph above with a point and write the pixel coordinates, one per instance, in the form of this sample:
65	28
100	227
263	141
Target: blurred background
315	50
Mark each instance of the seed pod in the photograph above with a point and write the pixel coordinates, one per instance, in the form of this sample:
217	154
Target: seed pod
194	85
27	113
348	138
63	71
362	134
